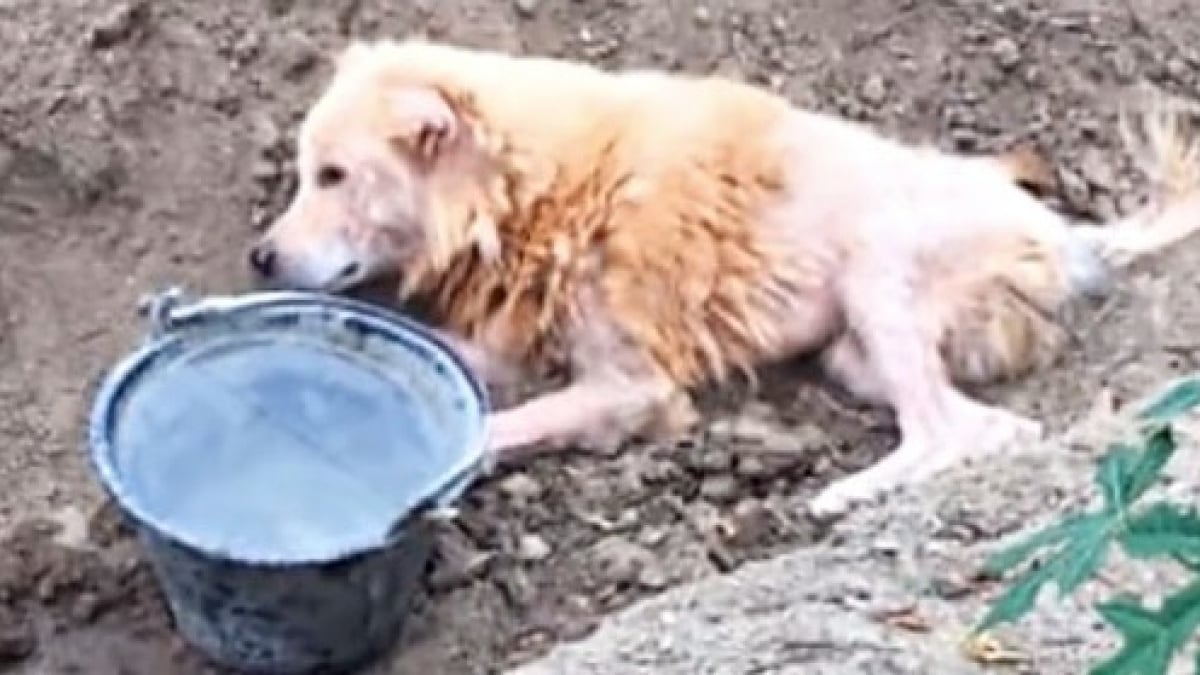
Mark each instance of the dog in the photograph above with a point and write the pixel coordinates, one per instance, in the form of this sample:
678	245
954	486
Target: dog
650	231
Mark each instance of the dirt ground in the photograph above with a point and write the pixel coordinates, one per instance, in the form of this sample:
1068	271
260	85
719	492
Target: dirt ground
144	143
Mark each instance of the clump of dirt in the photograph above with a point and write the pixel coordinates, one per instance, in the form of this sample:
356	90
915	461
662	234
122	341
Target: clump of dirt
83	607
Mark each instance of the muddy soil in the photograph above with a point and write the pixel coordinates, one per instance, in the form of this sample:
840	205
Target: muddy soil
144	144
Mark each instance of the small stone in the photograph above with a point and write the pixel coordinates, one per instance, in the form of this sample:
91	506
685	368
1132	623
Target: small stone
965	139
17	642
86	608
527	8
264	172
752	467
1177	69
652	537
1097	170
521	488
749	523
708	461
532	548
659	472
702	16
1007	53
517	588
719	489
620	561
118	24
1074	186
299	56
874	91
653	578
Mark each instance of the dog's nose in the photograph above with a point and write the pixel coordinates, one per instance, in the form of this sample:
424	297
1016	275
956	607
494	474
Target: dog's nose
262	259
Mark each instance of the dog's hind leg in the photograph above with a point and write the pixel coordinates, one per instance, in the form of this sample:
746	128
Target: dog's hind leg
901	360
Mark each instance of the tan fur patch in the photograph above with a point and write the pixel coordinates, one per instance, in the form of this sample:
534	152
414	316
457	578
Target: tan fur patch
608	213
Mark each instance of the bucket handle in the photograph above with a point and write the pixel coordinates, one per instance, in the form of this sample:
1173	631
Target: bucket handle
166	310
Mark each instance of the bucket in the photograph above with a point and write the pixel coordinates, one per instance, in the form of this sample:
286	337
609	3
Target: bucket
281	456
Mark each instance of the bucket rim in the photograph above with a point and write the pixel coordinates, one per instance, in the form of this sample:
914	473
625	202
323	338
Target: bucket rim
441	494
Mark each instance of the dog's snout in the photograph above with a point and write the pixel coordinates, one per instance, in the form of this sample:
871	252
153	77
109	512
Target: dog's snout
262	259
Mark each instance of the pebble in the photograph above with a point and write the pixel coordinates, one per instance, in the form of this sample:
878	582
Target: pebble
533	548
86	608
749	523
118	24
1097	170
620	561
965	139
521	488
17	642
1074	185
527	8
702	16
653	578
874	91
1177	69
518	589
299	56
721	489
1007	53
708	461
264	171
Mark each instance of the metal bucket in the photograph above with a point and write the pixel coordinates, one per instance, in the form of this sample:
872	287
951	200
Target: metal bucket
281	455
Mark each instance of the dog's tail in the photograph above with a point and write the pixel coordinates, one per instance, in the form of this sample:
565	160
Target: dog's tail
1164	138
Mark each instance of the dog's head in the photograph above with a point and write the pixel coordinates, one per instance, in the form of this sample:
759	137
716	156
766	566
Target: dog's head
393	177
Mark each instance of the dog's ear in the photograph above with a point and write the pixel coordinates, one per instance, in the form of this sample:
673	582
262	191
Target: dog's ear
425	124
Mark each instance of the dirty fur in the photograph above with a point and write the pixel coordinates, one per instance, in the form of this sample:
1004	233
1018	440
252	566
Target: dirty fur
653	231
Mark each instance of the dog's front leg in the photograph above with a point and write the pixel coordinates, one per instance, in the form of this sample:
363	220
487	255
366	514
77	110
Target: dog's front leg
589	412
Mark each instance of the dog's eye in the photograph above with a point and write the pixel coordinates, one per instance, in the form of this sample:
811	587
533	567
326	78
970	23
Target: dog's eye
330	175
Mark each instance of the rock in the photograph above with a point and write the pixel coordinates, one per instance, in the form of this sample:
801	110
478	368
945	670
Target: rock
721	489
706	461
651	537
619	561
526	8
118	24
533	548
521	488
1177	69
86	608
702	16
458	562
17	641
965	139
264	172
659	472
873	91
653	578
1096	169
266	133
517	588
1074	186
749	523
1007	53
298	56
